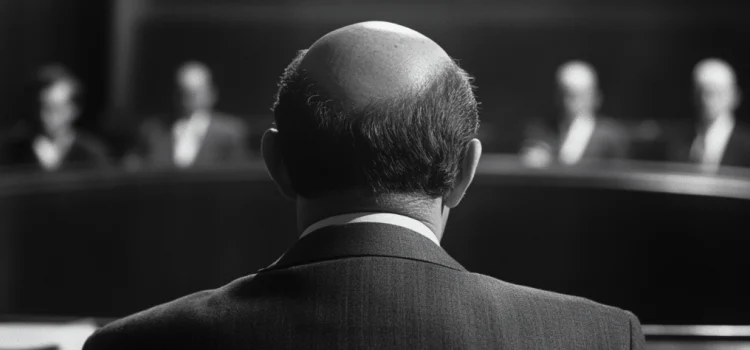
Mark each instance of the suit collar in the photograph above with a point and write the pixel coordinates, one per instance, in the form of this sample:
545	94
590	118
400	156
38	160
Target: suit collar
364	239
375	217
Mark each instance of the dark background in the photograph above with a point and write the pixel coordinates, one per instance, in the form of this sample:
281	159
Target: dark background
126	51
75	33
644	50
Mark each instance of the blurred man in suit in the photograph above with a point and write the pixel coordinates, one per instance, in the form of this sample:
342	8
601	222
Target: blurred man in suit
376	144
579	133
199	136
47	137
717	138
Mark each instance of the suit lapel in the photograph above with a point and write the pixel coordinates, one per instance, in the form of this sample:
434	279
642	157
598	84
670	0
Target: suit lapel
204	155
593	146
364	239
736	151
162	143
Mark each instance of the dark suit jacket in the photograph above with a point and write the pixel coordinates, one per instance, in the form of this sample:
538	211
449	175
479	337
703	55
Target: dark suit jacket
372	286
609	139
86	152
737	152
225	143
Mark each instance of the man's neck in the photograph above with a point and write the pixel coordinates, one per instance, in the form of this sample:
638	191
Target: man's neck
426	210
197	114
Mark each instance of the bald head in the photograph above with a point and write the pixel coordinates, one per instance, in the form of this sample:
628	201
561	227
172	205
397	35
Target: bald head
579	90
713	72
374	105
372	61
193	75
576	75
195	83
716	88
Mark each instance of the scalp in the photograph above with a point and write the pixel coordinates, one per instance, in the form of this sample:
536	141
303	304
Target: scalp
373	61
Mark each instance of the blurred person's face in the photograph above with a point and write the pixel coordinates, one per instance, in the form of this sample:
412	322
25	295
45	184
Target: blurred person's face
196	89
577	102
715	100
198	98
58	108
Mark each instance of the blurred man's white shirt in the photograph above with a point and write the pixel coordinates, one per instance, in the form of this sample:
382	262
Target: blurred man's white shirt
708	147
50	153
576	139
188	137
537	155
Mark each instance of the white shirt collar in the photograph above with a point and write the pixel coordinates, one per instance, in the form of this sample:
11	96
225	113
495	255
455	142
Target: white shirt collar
576	139
188	137
51	152
385	218
710	146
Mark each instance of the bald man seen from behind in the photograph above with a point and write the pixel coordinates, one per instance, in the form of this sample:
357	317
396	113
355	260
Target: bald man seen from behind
375	142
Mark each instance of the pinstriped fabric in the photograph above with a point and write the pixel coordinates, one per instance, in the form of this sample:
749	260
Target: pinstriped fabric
372	286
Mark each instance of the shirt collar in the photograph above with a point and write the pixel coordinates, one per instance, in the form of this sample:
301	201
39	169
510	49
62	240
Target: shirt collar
385	218
199	119
723	124
576	139
710	146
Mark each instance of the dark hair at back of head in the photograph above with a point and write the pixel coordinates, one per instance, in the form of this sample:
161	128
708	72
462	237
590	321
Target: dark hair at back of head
413	144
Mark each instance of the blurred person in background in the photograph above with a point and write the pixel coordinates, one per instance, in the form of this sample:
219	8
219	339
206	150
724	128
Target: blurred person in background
196	135
46	138
717	138
579	133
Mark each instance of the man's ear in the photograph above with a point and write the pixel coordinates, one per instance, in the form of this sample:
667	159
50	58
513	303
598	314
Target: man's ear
275	163
468	168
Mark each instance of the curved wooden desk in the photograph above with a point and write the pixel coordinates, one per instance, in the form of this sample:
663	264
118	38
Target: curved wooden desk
669	244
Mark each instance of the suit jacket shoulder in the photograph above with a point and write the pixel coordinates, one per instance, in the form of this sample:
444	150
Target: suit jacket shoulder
372	286
229	125
94	146
191	322
558	319
184	323
611	127
737	152
610	139
523	317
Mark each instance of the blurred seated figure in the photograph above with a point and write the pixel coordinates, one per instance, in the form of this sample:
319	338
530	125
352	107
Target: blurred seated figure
196	135
717	138
46	138
579	133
